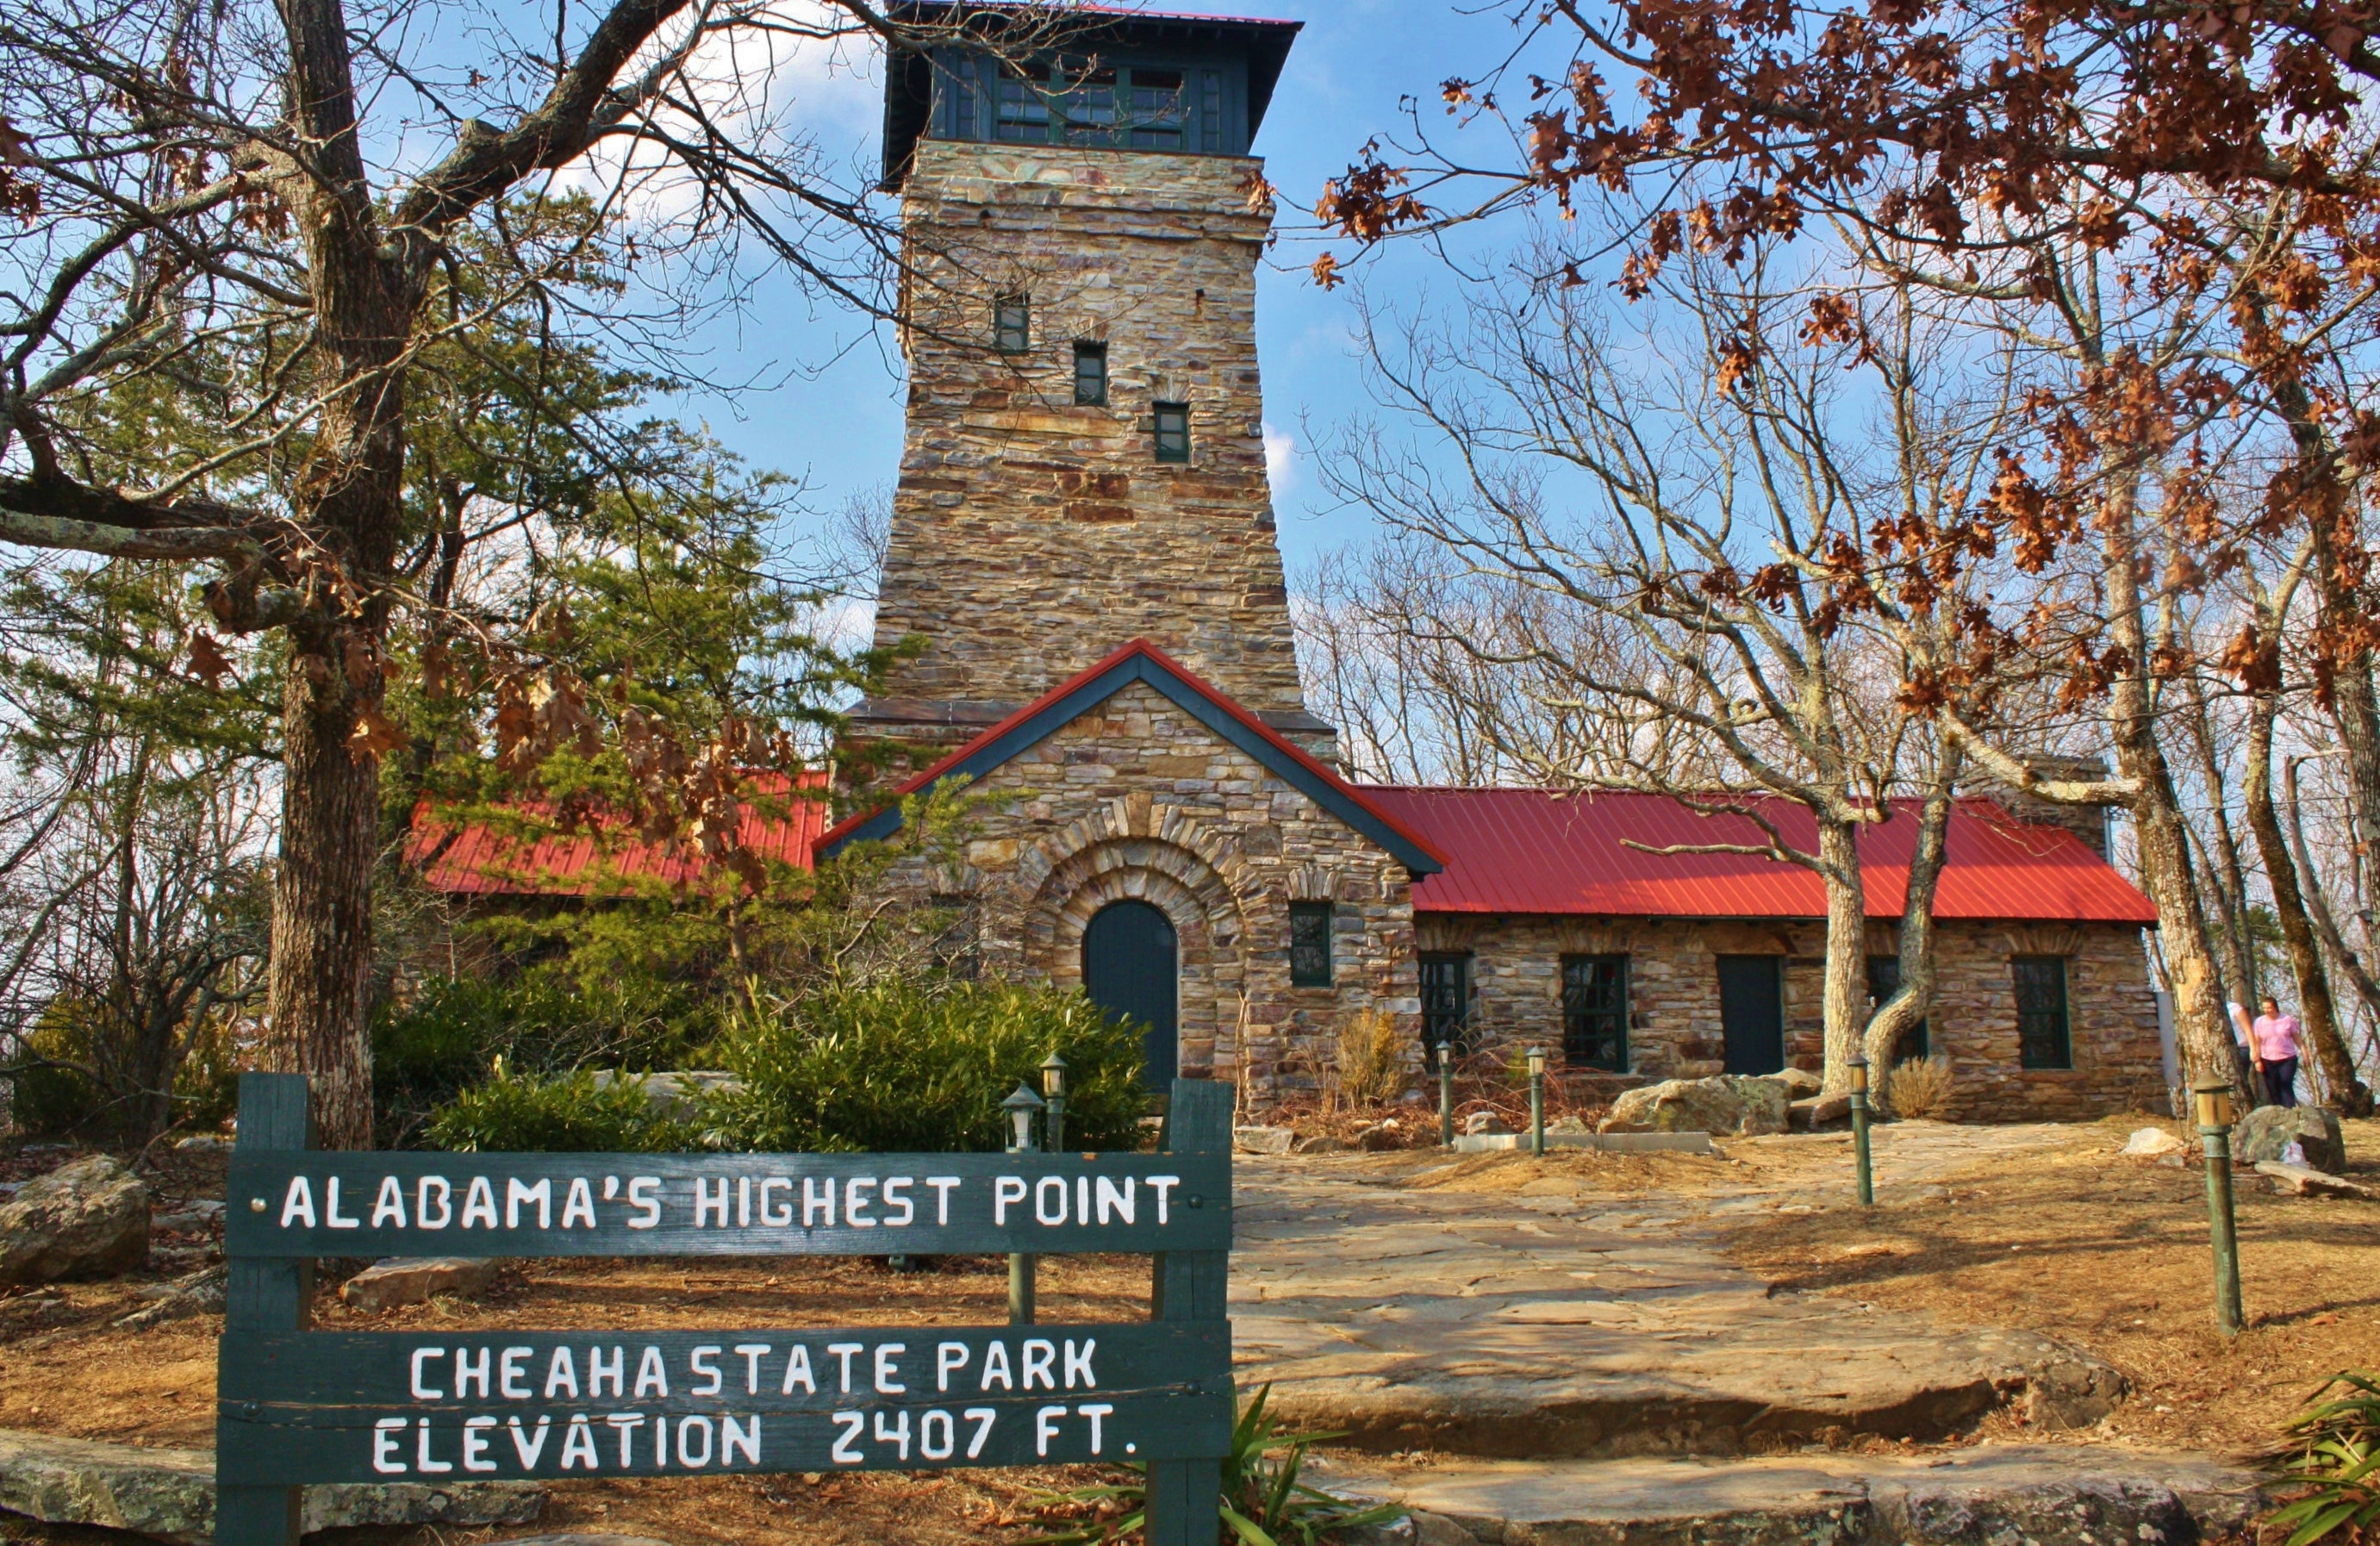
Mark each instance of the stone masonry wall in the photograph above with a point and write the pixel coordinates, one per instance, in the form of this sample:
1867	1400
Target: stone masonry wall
1675	1033
1138	799
1031	536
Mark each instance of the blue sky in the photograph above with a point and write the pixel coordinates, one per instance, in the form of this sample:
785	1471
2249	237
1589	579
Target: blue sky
836	419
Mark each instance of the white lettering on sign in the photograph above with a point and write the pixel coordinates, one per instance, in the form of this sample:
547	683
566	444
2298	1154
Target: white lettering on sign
578	1207
433	1188
640	1196
1006	1191
388	1209
480	1204
331	1214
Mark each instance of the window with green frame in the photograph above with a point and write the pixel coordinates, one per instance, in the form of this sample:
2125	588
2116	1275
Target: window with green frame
1012	323
1089	101
1595	1012
1171	424
1309	945
1090	371
2043	1036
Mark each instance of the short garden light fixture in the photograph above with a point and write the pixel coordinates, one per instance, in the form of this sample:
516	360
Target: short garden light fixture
1053	1090
1535	1058
1446	1094
1857	1064
2212	1096
1021	1107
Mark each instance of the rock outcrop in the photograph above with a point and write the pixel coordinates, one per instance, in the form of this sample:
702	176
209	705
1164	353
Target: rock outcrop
2268	1132
83	1220
1725	1105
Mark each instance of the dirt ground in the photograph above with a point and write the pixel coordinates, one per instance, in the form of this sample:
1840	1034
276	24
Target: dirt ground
2107	1253
2111	1254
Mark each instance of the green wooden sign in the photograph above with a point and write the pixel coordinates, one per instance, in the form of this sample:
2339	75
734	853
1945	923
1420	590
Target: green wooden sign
296	1406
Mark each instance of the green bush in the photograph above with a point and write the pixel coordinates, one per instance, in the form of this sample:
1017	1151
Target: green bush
446	1037
51	1101
521	1113
922	1067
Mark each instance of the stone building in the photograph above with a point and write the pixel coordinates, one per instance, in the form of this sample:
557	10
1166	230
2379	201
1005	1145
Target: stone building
1082	538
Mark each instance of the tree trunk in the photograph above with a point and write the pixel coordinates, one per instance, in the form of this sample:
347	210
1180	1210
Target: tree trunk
1846	990
1900	1014
2230	889
2316	1010
2162	835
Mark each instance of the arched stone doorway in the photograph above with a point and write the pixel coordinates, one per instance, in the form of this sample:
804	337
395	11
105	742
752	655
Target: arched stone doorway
1132	967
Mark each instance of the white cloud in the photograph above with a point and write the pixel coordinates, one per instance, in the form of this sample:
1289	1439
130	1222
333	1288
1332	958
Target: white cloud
1281	458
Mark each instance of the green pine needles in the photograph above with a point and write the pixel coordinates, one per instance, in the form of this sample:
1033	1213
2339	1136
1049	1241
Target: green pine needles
1264	1501
2338	1463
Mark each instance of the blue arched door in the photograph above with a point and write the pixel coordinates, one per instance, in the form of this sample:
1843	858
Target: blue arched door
1131	968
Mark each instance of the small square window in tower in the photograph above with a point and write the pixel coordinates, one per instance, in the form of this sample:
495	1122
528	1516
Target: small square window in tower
1309	945
1171	423
2041	1028
1091	372
1012	324
1595	1012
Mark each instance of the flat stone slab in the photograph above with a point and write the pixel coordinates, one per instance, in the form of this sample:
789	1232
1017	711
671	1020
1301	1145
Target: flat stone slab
415	1279
1565	1320
170	1494
1609	1143
2042	1495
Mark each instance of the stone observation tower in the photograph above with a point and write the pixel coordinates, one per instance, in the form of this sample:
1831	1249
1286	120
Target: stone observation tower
1084	457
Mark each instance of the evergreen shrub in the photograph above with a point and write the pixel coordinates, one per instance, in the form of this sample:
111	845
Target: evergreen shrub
571	1113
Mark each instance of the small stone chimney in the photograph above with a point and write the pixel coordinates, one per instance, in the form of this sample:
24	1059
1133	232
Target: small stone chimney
2088	823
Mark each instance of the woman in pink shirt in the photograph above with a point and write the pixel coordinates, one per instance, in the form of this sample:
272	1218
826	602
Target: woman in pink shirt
2274	1045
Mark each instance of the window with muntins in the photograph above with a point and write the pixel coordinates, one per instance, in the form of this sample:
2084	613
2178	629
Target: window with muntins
2042	1035
1087	102
1883	981
1309	945
1091	372
1595	1012
1172	429
1445	1001
1012	323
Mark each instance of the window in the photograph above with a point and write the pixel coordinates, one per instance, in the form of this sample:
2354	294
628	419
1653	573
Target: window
1210	110
1309	945
2041	1030
1883	981
1021	103
1445	1001
1012	323
1173	427
1157	109
1091	372
1595	1012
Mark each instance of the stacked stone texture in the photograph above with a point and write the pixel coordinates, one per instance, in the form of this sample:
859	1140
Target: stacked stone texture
1136	799
1675	1029
1032	535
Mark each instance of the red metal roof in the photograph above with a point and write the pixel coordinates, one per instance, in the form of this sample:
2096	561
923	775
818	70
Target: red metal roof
482	861
1538	851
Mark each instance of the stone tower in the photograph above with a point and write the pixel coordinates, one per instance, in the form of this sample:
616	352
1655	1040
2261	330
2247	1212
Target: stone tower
1085	460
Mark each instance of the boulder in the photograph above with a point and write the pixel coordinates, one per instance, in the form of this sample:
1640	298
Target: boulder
2268	1132
1380	1137
1323	1143
1800	1083
1817	1111
1722	1105
1567	1124
415	1280
199	1293
2306	1181
2149	1143
86	1219
1483	1122
674	1093
169	1494
1264	1140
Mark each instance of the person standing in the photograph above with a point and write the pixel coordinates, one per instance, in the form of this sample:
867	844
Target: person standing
2274	1045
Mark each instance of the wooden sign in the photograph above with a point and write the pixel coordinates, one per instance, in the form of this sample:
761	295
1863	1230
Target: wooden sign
296	1406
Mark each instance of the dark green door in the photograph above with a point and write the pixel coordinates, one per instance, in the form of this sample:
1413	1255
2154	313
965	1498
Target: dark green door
1752	1012
1130	969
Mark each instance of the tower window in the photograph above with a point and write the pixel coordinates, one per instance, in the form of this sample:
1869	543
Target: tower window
1309	945
1012	326
1091	372
1173	426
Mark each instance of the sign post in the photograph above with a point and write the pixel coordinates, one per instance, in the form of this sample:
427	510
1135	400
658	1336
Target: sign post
296	1406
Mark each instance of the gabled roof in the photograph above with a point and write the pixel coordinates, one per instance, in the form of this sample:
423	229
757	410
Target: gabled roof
1142	662
479	859
1544	851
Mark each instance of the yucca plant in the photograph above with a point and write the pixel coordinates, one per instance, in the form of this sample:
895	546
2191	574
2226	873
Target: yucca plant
2337	1461
1264	1503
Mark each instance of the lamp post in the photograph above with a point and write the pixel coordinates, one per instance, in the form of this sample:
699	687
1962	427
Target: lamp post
1021	1107
1053	1091
1858	1065
2215	1113
1537	1059
1446	1094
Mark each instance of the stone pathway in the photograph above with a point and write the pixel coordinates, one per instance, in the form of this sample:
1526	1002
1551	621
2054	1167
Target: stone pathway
1566	1321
